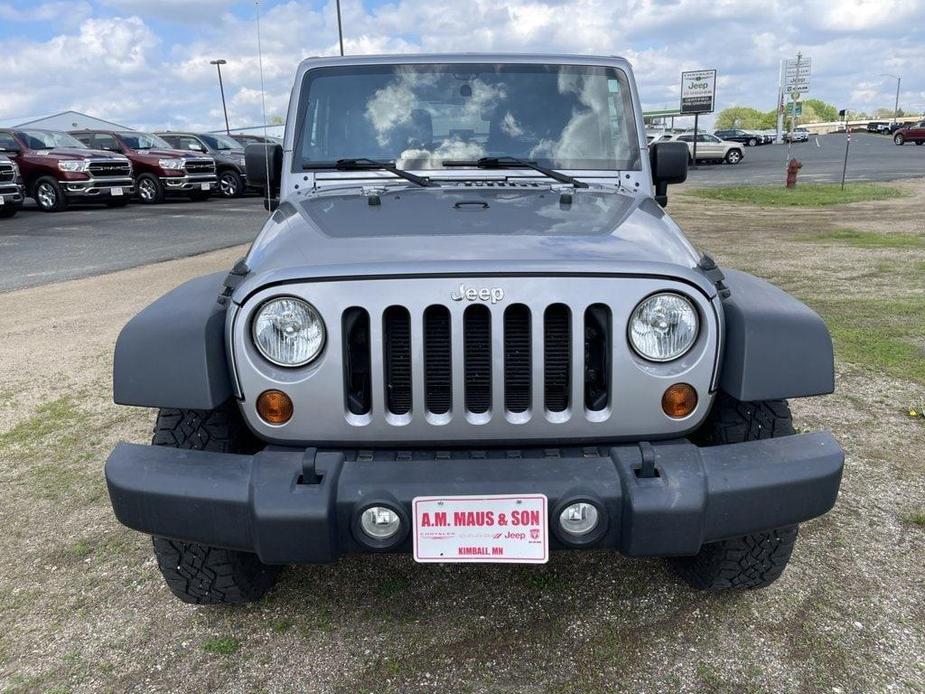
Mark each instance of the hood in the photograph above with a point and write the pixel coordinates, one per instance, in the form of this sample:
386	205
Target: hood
468	230
170	153
77	153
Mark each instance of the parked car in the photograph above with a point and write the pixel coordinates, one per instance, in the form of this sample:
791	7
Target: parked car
898	126
472	357
228	155
910	133
745	137
799	135
246	139
159	169
57	168
709	147
878	127
11	190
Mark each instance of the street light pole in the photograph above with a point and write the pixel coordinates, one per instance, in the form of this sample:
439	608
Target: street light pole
899	80
218	64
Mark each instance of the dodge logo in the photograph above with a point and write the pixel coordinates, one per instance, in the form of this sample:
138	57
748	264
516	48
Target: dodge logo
492	294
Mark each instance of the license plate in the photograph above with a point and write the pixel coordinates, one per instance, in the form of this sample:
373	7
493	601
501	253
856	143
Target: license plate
205	186
115	191
492	528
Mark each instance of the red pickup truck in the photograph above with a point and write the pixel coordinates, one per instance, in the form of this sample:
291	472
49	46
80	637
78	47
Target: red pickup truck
910	133
56	169
160	170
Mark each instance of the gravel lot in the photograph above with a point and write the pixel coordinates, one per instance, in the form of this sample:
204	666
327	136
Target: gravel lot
83	608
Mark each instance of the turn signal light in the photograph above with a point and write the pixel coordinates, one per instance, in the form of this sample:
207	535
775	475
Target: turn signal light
274	407
679	400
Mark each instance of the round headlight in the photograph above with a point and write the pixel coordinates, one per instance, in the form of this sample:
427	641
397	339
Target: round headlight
663	327
288	331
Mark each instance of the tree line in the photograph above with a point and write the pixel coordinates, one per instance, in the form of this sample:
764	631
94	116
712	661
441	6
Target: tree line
814	111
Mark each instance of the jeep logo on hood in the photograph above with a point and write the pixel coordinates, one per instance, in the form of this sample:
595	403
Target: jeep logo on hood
492	294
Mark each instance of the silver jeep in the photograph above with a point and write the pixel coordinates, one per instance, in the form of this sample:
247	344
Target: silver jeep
469	331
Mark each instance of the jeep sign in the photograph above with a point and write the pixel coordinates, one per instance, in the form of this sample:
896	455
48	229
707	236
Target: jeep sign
698	91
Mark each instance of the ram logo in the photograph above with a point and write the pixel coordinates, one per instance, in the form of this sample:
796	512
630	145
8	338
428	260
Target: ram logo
464	293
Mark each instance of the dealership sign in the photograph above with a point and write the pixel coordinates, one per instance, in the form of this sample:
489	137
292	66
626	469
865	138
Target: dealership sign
797	72
698	91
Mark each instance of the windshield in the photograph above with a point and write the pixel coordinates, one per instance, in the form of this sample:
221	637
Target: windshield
559	116
143	141
220	142
50	139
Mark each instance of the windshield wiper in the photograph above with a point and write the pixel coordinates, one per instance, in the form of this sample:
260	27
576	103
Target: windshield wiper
502	162
364	164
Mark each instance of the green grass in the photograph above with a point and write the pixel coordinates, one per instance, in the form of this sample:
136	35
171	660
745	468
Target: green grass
885	334
222	646
915	518
804	195
869	239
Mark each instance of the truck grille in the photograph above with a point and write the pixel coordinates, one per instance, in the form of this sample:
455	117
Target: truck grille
6	173
200	166
104	169
561	356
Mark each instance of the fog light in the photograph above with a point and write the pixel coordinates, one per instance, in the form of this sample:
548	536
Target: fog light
380	522
274	407
679	400
579	518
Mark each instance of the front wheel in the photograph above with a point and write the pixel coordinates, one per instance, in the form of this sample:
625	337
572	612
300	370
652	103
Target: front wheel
230	184
197	573
752	142
749	561
733	156
150	189
899	139
49	196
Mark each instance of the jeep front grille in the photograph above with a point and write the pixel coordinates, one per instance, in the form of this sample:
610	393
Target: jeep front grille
103	169
560	359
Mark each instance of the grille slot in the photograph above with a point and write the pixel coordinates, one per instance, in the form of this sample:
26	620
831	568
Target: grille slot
6	173
597	357
357	376
199	166
438	373
477	333
517	375
556	353
397	347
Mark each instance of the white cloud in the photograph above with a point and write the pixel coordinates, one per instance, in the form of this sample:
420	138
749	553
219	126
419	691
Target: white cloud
121	69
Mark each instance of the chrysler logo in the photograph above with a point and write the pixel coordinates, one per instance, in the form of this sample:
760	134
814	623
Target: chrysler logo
492	294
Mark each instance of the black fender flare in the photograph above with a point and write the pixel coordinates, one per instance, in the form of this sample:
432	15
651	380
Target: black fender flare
172	354
775	346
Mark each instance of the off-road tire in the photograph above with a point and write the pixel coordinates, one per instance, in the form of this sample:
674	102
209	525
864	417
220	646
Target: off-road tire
751	561
197	573
203	575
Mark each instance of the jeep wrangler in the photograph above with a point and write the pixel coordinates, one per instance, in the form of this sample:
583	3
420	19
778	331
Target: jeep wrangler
469	331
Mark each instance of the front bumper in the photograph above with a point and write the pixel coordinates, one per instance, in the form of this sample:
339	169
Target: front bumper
189	182
98	187
11	194
299	505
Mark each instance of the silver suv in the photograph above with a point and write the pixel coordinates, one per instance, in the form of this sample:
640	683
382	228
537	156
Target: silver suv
469	331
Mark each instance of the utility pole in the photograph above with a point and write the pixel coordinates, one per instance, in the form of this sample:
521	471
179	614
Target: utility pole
780	104
218	64
340	30
899	80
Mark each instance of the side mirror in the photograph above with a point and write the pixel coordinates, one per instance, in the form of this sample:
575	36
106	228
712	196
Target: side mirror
668	161
264	164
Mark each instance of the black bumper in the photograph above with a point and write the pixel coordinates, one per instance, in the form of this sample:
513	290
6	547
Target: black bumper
297	505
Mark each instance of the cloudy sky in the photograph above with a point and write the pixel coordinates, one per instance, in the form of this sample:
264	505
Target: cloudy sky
145	63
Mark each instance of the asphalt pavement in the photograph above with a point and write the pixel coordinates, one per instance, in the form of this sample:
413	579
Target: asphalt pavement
870	158
38	247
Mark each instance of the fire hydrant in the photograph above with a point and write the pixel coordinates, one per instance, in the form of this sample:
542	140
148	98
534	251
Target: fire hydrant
793	166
